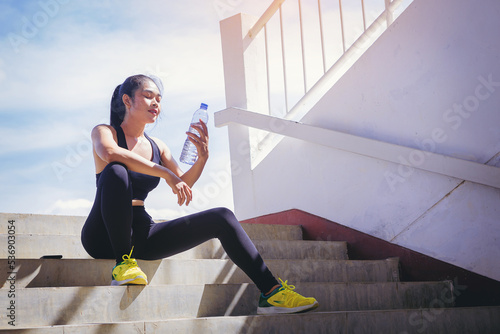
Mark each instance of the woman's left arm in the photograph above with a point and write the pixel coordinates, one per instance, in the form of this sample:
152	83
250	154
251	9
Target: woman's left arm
201	143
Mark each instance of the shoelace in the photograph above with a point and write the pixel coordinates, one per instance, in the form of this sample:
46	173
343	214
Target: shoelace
285	286
292	295
130	262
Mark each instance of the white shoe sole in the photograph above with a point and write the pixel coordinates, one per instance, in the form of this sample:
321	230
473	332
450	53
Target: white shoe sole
285	310
130	281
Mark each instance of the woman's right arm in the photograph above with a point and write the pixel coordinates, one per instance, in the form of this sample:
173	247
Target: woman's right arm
107	149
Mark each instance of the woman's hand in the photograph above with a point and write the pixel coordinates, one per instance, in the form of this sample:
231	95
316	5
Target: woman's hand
201	141
181	189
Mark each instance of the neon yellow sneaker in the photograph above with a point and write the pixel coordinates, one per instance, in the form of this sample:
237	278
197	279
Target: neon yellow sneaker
285	300
128	272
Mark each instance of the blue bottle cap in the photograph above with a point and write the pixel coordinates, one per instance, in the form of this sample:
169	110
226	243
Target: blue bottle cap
203	106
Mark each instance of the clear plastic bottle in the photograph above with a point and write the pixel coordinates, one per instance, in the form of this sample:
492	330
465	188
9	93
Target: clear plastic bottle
189	153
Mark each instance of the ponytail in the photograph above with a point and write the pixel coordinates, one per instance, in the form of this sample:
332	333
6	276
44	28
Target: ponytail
117	108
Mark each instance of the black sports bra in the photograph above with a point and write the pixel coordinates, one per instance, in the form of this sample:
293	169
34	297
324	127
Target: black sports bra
142	184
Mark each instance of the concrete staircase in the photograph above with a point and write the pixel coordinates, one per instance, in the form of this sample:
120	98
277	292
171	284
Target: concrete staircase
201	291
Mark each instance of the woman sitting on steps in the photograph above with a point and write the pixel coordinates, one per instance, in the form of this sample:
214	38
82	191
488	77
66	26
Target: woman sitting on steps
129	164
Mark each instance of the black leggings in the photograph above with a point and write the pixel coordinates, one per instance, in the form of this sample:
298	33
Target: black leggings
114	226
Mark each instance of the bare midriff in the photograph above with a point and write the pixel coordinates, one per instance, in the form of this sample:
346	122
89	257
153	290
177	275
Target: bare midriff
137	202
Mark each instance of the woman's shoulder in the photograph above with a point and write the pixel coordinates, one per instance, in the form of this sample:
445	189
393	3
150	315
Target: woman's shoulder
103	128
104	133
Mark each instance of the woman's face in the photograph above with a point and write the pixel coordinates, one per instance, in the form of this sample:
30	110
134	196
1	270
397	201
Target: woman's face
146	103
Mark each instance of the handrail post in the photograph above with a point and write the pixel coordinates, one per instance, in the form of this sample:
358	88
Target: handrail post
244	64
302	46
364	14
388	12
245	87
342	26
320	16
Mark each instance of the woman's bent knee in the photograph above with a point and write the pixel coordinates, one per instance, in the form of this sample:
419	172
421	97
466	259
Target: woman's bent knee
116	168
225	218
114	172
224	213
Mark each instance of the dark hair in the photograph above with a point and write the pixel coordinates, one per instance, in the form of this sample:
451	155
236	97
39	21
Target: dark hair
129	86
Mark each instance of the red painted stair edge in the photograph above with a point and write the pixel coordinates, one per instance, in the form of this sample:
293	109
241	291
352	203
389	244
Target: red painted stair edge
471	288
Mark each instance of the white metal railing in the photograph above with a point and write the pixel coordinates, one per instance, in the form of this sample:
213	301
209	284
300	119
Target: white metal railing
309	87
486	174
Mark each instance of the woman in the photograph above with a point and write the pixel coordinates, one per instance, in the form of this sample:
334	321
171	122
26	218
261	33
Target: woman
129	164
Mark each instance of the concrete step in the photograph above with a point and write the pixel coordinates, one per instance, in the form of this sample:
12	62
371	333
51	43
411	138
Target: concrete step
55	273
36	246
35	224
484	320
82	305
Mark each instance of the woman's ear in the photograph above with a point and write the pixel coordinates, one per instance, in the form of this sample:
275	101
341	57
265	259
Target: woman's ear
126	101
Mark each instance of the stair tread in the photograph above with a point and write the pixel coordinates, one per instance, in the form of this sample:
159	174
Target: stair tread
71	247
195	291
90	272
73	305
37	224
452	320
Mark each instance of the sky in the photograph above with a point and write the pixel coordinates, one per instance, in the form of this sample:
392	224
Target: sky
60	61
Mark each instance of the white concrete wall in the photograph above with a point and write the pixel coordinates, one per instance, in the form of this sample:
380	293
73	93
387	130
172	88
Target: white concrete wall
432	81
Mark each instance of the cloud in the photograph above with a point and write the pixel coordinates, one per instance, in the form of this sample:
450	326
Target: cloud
60	82
2	71
76	73
78	58
73	207
166	214
35	137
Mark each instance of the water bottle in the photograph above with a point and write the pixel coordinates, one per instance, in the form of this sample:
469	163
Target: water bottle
189	153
